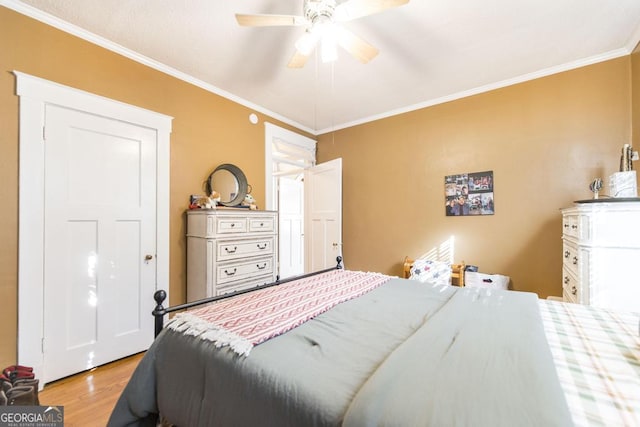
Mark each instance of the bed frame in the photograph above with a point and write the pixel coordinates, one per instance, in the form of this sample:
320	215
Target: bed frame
457	271
159	296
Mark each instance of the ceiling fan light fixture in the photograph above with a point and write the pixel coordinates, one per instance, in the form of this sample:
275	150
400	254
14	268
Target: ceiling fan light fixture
328	42
328	50
307	42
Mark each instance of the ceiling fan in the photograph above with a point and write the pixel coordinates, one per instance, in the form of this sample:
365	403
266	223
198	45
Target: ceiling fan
321	20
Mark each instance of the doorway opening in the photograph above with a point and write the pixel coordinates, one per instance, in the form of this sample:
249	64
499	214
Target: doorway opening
287	156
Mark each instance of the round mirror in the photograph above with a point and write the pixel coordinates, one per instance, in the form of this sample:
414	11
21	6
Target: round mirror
230	182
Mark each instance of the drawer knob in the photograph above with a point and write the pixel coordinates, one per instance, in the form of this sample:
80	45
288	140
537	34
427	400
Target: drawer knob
262	224
566	254
233	224
575	260
574	226
232	273
566	225
231	251
261	247
263	266
574	290
566	280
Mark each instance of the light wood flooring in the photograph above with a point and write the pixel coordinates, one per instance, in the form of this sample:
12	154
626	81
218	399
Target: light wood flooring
89	397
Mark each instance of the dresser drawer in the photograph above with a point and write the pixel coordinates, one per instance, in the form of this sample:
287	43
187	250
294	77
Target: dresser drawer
571	258
264	225
571	225
570	287
244	284
233	249
231	225
244	269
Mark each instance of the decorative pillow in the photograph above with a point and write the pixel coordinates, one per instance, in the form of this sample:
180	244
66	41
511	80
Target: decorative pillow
436	272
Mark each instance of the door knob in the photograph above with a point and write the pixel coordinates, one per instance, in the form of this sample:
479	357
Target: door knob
148	258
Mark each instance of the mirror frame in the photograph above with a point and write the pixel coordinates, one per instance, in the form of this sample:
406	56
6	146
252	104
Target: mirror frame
241	179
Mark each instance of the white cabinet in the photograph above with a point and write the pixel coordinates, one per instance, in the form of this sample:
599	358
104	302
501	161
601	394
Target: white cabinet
229	250
601	254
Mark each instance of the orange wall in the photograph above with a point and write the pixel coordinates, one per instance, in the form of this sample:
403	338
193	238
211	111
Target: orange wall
545	141
207	130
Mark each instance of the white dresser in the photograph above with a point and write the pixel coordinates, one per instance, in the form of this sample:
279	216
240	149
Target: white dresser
601	254
229	250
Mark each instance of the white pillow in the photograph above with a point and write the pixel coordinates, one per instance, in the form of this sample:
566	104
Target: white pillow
436	272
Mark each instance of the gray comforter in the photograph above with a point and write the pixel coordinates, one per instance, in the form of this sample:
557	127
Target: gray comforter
405	354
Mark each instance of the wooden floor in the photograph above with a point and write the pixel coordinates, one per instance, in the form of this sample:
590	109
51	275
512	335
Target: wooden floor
89	397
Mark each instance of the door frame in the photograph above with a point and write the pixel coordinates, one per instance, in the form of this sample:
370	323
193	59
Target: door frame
272	132
35	93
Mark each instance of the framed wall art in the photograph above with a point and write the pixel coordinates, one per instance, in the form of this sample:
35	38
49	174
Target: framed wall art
469	194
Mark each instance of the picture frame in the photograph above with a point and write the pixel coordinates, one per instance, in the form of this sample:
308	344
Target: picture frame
469	194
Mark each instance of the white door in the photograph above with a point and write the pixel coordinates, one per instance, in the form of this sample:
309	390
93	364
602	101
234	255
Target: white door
291	226
323	215
99	240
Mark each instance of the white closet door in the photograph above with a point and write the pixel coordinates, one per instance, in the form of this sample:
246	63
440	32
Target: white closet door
99	241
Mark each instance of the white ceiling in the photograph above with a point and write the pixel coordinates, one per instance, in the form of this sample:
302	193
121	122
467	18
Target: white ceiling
430	51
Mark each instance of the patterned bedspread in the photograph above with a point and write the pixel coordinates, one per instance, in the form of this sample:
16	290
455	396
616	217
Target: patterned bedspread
249	319
597	356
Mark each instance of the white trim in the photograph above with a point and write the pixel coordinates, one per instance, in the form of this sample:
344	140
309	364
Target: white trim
48	92
31	232
296	172
35	93
67	27
279	159
272	132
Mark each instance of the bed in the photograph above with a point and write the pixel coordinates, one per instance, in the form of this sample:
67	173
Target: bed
401	352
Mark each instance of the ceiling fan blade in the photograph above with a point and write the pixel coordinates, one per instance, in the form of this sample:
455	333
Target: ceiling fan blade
270	20
304	47
354	9
298	60
360	49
